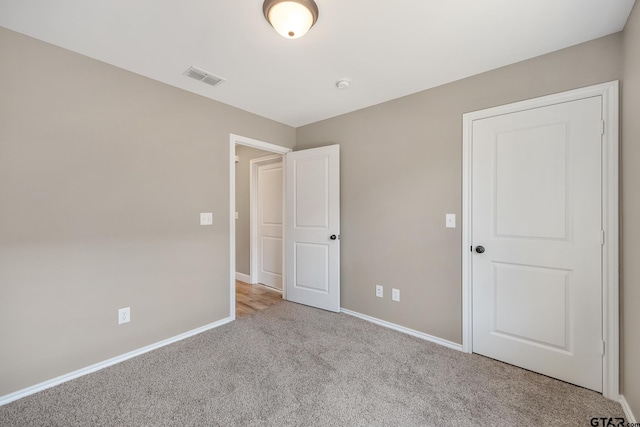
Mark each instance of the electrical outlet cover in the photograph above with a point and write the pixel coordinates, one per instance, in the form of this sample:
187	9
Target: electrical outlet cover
124	315
379	291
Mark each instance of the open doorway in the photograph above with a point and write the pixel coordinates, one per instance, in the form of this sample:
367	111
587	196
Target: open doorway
259	229
245	288
311	250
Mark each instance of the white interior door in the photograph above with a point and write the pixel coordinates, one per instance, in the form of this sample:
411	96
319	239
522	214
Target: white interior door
269	223
537	287
313	227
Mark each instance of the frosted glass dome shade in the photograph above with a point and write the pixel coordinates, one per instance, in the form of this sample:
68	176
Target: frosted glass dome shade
292	19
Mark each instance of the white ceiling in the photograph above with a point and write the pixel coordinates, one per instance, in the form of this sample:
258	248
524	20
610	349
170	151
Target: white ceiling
386	48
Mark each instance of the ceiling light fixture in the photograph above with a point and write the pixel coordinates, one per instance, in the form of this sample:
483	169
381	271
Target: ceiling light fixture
291	18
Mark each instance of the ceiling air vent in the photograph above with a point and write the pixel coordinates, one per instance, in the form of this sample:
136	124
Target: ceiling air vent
203	76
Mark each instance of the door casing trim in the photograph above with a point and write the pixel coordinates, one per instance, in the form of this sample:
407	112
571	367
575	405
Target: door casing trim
261	145
610	222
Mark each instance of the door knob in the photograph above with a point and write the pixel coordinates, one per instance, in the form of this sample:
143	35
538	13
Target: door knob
480	249
333	237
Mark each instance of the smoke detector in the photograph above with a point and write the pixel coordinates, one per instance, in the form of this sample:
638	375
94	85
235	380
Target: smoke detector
203	76
343	84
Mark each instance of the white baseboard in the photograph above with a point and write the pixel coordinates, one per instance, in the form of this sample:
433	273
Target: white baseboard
627	410
243	277
407	331
101	365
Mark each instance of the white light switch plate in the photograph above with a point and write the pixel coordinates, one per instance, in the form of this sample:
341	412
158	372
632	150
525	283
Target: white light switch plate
395	294
451	221
206	218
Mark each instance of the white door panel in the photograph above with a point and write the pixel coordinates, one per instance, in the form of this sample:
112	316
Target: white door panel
312	191
313	216
530	203
310	267
537	212
270	227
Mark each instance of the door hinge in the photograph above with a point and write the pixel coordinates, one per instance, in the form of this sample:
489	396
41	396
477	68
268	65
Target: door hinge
601	127
601	237
604	347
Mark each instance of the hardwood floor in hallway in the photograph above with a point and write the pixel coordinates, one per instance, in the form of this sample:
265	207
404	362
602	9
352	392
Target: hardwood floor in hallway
252	298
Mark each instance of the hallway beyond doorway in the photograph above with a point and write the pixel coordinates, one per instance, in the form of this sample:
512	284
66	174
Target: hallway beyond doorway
252	298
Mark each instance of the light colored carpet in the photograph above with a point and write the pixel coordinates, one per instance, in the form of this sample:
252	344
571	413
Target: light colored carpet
292	365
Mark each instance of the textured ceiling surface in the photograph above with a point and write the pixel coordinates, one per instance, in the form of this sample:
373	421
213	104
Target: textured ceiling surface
387	49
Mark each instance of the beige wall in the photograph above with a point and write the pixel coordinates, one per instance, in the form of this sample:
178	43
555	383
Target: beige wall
630	230
243	224
401	170
103	174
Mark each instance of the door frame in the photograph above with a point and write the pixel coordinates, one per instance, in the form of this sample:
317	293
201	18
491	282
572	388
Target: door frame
253	211
610	209
261	145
